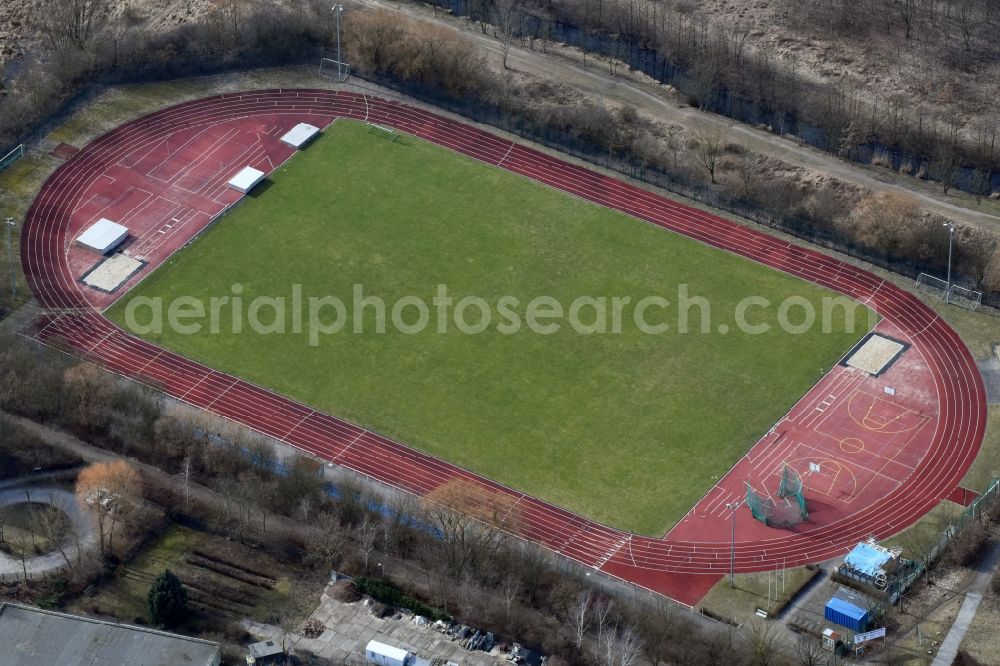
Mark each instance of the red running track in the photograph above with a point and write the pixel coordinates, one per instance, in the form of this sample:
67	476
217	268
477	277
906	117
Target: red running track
682	568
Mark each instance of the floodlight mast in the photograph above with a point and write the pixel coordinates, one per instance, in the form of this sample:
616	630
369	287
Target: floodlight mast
10	224
951	238
732	506
339	9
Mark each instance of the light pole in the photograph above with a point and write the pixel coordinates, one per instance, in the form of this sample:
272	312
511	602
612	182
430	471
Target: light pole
951	238
732	506
10	260
339	9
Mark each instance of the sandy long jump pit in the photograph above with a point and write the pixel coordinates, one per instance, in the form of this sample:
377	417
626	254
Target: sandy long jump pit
112	273
875	354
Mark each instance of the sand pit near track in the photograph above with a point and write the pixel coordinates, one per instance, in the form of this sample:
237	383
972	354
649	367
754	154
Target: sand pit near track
876	354
112	272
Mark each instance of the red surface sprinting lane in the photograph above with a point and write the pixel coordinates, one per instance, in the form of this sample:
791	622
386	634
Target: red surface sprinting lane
691	557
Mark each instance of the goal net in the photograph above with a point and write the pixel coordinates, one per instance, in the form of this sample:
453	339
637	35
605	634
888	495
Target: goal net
956	295
933	285
790	489
11	157
386	132
334	69
761	507
965	298
787	509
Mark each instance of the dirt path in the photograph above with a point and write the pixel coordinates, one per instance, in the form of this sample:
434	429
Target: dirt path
985	569
565	65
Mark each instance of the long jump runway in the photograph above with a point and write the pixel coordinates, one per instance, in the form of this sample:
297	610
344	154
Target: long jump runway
875	452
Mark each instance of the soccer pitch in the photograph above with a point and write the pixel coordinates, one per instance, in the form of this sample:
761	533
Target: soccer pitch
627	428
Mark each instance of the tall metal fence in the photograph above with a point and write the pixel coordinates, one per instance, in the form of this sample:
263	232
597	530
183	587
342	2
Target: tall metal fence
11	157
973	512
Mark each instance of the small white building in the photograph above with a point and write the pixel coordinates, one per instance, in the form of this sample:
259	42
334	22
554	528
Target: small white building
102	236
246	180
300	135
381	654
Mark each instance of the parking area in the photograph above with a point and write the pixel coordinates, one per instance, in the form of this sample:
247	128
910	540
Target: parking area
349	627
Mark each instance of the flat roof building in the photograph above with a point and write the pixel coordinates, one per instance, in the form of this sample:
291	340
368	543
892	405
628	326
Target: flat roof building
35	637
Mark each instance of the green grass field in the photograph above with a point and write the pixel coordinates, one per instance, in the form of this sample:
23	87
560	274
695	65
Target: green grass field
630	429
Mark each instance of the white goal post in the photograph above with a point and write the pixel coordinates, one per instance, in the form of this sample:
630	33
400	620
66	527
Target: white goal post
334	69
12	157
956	295
966	298
387	132
928	282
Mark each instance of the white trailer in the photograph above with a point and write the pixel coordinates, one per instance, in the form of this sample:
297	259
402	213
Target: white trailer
381	654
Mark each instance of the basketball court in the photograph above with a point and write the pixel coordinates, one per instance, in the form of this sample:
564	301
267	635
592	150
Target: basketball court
855	437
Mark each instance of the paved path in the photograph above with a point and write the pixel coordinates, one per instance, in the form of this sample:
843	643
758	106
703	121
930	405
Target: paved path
986	568
37	478
12	567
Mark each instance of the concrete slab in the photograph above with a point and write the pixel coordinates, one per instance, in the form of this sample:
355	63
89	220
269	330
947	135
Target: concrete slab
990	370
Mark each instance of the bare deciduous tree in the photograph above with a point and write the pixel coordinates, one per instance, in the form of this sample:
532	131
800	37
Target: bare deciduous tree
748	164
473	522
808	652
325	544
945	165
71	22
368	532
907	11
57	530
707	148
884	220
980	184
760	644
579	619
629	645
21	542
185	476
110	492
89	396
510	590
507	17
992	277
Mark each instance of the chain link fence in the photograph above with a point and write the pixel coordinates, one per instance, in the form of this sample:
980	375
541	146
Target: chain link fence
971	513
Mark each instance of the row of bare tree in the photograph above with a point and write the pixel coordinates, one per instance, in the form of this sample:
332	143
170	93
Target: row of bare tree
78	42
722	69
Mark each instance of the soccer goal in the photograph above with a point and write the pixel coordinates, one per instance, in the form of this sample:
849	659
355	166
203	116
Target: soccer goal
956	295
386	132
11	157
334	69
965	298
931	284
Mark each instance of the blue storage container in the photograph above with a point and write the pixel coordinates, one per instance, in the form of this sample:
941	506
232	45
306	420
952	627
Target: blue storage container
846	614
